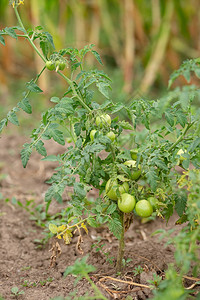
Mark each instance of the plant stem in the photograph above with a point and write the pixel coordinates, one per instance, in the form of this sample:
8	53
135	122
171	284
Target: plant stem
95	288
120	254
181	136
27	36
70	82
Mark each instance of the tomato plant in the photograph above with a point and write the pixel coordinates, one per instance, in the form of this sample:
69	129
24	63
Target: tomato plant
128	169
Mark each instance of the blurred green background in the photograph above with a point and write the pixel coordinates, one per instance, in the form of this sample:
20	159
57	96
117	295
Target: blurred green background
141	42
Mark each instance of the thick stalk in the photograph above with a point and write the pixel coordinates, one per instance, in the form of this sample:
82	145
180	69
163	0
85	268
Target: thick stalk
120	254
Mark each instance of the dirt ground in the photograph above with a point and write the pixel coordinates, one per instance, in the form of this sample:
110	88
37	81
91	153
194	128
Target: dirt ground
24	265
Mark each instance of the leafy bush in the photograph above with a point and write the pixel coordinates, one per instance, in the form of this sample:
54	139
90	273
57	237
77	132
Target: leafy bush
160	159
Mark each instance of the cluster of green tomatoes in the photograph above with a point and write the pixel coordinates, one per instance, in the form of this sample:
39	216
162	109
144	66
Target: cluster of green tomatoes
119	192
58	64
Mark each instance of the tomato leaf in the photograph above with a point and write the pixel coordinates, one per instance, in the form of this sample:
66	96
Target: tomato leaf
115	227
25	154
25	105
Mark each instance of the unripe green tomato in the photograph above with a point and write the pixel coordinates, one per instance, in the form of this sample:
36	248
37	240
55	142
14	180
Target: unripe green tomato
153	201
103	120
135	173
112	186
143	208
134	154
126	203
111	135
50	65
92	134
60	64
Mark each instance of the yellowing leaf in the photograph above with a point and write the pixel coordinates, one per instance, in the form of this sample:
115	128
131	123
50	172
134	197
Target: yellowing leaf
61	228
53	228
84	227
67	237
59	237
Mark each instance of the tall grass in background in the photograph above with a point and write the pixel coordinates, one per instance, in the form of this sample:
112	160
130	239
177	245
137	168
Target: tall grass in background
141	42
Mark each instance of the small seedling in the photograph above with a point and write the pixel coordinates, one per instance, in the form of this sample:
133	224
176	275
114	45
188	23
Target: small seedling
138	270
155	281
16	292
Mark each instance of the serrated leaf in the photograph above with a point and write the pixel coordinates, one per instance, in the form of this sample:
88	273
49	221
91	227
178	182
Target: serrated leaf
40	148
180	203
53	228
45	47
33	87
112	207
3	123
186	74
96	148
51	158
181	118
152	179
79	190
159	163
197	72
77	128
2	41
10	31
182	220
117	108
97	56
25	154
125	125
55	99
170	118
103	88
194	145
56	134
115	227
25	105
12	117
92	222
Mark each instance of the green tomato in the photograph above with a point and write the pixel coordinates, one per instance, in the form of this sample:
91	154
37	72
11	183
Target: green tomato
126	203
112	186
144	208
134	154
103	120
111	135
60	64
135	173
50	65
92	134
153	201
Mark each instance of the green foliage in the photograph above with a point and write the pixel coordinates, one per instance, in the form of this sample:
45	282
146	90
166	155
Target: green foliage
89	163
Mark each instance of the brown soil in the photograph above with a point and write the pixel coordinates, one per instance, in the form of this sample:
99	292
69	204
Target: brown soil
24	265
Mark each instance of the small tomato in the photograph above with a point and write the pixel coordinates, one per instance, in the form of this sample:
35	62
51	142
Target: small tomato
103	120
135	173
50	65
126	203
92	134
111	135
112	186
144	208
